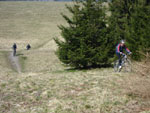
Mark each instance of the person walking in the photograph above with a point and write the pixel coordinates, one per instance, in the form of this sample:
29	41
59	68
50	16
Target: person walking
28	46
14	49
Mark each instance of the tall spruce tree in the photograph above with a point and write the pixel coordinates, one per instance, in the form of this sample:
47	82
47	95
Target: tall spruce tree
119	20
130	20
120	14
139	35
85	41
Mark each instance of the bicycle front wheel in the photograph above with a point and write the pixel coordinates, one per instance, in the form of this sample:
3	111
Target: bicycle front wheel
127	66
116	66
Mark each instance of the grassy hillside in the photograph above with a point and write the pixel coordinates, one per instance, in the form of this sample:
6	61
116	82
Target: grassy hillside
45	85
29	22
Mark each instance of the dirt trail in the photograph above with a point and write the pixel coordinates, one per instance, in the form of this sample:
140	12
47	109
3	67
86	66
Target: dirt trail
14	60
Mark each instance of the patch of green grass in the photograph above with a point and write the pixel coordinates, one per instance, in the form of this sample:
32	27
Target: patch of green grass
5	62
3	85
132	95
65	71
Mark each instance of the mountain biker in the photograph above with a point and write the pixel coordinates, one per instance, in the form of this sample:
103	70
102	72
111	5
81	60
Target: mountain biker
119	51
14	49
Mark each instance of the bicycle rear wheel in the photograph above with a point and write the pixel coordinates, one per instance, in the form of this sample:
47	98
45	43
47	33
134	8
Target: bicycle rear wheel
116	66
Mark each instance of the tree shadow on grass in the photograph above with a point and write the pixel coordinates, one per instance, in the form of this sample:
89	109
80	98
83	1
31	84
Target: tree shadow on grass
19	54
72	69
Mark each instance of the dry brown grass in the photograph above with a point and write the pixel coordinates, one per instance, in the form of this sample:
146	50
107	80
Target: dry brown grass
143	68
137	85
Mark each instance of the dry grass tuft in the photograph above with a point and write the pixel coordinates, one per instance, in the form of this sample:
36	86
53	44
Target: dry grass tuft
139	81
143	68
137	84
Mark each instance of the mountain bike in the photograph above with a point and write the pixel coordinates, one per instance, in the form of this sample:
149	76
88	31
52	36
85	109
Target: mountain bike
125	64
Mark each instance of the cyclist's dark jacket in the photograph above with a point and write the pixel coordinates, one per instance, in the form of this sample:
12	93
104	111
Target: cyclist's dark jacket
120	48
28	46
14	46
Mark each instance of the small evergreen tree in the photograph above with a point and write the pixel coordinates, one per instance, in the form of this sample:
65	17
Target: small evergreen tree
85	39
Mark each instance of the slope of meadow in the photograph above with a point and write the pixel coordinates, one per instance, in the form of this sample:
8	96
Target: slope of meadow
45	85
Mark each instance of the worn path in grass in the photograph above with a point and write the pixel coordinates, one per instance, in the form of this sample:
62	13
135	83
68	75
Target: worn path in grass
14	61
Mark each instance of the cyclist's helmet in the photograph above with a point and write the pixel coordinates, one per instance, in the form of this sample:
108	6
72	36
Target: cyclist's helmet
122	42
